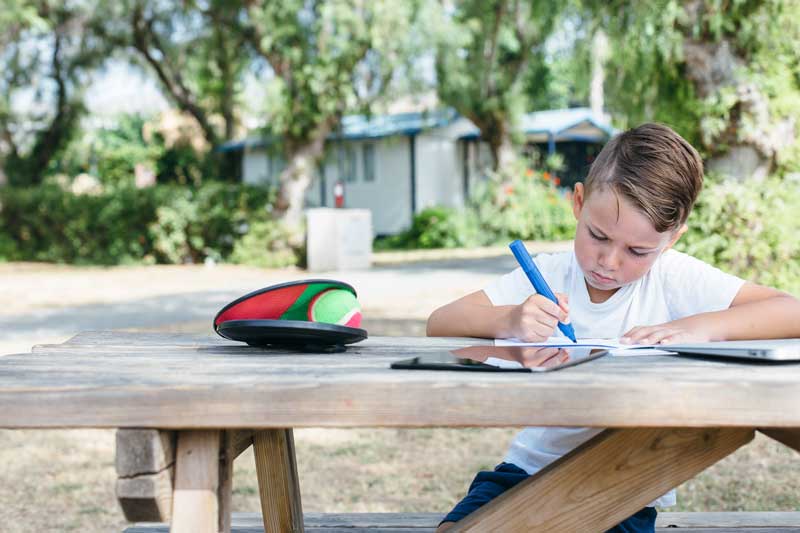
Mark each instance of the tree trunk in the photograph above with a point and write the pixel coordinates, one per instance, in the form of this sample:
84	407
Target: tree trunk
497	134
747	146
599	57
302	158
503	152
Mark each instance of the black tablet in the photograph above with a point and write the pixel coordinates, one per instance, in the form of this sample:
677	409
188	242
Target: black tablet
503	358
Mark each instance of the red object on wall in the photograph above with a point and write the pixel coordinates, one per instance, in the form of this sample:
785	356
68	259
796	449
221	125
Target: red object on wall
338	194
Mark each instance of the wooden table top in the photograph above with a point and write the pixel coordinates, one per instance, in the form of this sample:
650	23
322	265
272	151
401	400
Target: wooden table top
174	381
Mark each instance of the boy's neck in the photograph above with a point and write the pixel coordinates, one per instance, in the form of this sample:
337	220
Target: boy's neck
598	296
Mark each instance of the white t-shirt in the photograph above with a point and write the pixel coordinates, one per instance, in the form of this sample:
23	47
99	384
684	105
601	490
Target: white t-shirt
676	286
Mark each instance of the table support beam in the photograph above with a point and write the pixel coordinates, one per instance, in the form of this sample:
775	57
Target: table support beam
203	476
606	480
787	436
278	483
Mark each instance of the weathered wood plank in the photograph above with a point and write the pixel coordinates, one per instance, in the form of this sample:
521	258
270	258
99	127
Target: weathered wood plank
191	382
715	522
143	451
240	441
278	482
787	436
147	497
144	462
605	480
201	498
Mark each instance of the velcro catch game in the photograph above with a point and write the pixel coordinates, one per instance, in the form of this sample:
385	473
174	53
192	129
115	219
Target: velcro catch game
314	314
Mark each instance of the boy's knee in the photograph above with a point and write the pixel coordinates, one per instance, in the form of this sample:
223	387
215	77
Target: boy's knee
444	526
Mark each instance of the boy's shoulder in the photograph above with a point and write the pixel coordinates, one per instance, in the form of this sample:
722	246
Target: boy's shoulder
674	260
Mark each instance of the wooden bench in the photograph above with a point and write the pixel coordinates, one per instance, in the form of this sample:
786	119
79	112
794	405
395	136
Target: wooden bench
145	466
736	522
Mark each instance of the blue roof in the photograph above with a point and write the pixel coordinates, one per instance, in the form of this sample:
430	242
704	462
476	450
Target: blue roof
554	122
362	127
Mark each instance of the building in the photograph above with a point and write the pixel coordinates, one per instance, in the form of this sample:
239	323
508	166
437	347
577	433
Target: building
398	165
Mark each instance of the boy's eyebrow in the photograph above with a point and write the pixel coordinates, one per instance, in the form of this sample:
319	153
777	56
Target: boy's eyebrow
602	233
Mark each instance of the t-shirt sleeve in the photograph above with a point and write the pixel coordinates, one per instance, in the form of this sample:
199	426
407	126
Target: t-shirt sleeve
514	288
693	286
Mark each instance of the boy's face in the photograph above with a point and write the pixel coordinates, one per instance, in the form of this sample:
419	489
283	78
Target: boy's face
615	243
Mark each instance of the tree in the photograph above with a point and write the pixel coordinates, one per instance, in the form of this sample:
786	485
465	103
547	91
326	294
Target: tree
725	73
327	59
188	46
484	51
48	51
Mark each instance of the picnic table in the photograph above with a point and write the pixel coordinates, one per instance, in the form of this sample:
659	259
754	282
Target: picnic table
189	404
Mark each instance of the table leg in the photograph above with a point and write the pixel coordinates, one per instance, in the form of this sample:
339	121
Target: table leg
788	436
203	475
606	480
278	484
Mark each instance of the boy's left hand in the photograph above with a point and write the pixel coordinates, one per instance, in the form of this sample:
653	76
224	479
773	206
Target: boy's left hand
667	333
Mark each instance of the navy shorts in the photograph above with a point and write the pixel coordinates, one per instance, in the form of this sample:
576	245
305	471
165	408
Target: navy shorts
489	485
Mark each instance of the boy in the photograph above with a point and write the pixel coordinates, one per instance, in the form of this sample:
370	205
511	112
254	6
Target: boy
622	280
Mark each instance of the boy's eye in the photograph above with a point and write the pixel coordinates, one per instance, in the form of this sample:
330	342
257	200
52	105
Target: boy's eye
596	236
637	254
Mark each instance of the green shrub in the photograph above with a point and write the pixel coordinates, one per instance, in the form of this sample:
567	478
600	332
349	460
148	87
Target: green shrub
522	204
165	223
436	227
517	204
49	224
265	245
750	229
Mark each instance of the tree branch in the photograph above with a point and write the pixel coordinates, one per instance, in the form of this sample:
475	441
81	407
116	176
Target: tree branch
144	35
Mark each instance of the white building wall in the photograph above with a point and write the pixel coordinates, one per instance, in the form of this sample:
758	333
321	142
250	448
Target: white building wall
439	171
388	196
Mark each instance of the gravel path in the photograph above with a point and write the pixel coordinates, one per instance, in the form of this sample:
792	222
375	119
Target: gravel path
42	304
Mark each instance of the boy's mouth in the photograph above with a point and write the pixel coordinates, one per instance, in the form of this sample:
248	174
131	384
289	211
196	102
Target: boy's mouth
600	278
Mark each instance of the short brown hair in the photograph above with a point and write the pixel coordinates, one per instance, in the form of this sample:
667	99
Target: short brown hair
653	167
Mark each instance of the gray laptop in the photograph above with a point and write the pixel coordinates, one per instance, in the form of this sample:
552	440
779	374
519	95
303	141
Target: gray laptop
763	350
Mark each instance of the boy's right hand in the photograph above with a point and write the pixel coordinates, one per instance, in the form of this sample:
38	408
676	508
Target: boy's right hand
535	319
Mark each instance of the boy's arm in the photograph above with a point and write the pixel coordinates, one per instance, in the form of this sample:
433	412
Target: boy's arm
757	312
474	315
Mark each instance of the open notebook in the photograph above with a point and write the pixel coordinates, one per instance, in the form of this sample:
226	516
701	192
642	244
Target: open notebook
614	346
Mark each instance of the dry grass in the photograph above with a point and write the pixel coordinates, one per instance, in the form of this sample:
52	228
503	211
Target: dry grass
64	480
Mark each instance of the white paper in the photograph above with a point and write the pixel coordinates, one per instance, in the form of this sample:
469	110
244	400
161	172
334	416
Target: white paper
616	347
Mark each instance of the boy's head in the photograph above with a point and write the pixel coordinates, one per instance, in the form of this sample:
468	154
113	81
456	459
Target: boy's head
634	204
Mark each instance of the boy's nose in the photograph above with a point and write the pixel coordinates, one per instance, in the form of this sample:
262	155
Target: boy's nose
609	260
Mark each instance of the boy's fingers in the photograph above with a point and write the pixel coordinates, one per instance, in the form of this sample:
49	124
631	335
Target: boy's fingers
563	303
549	307
635	334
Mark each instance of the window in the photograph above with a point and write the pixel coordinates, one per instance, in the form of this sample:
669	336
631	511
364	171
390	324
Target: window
347	163
369	162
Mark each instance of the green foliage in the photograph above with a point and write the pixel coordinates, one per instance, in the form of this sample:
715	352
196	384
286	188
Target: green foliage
264	245
515	204
47	51
165	223
523	204
436	227
484	51
740	86
329	58
749	229
205	222
112	153
49	224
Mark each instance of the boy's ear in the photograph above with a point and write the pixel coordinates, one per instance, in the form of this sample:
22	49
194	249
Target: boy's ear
683	229
577	200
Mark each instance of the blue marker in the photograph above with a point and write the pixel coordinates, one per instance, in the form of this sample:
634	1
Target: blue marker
538	282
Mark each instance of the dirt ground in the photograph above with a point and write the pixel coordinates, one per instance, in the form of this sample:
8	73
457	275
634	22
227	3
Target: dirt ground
63	480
